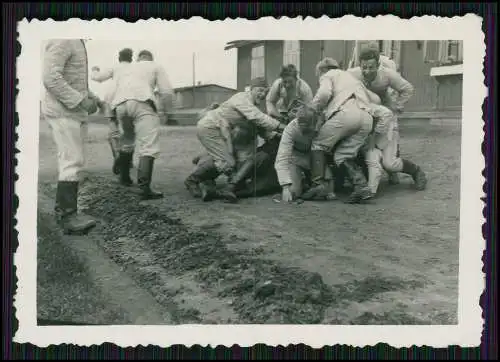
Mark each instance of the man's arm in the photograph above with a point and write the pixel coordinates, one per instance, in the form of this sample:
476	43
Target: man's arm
272	99
100	76
323	94
284	157
165	90
404	89
56	54
254	115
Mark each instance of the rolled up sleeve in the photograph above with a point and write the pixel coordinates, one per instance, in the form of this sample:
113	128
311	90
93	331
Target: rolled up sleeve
306	93
404	89
56	55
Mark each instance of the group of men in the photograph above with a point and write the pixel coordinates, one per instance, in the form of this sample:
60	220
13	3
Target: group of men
140	95
348	128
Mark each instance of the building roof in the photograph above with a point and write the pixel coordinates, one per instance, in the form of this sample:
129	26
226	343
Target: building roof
180	89
239	43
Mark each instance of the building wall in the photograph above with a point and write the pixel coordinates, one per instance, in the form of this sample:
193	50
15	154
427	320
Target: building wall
203	97
431	94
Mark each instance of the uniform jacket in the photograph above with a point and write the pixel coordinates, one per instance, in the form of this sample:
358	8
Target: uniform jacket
240	110
336	87
294	149
137	81
65	78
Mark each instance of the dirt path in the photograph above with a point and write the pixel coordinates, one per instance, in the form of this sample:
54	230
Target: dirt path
393	262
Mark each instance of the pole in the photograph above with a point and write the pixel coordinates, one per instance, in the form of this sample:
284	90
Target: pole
194	80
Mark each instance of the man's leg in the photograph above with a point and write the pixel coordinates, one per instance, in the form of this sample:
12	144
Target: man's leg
147	129
344	124
201	182
70	158
215	145
347	152
393	164
375	170
114	143
127	142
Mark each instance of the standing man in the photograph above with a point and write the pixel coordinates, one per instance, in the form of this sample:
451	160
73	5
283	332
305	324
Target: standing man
134	104
67	104
125	57
393	90
345	105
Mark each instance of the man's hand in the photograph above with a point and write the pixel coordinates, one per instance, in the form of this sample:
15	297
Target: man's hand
89	104
286	194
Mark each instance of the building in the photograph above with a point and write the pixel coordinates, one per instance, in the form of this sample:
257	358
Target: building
201	95
433	67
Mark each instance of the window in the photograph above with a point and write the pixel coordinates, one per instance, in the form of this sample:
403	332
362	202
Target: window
443	52
291	52
258	65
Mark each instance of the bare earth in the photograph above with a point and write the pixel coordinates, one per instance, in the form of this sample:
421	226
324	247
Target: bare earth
394	261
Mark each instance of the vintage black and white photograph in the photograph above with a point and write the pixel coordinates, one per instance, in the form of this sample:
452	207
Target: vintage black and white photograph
216	178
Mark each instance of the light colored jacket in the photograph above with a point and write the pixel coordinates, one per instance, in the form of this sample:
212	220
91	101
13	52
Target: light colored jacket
388	63
385	80
65	78
279	97
240	110
336	87
294	150
138	81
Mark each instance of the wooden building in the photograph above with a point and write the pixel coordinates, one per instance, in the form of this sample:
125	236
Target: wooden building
433	67
201	96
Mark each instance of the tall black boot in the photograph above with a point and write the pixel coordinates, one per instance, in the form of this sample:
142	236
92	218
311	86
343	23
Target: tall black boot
144	175
361	190
200	182
416	173
125	166
318	188
116	155
66	209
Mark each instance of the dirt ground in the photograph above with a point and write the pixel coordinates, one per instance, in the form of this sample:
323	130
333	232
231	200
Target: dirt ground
394	261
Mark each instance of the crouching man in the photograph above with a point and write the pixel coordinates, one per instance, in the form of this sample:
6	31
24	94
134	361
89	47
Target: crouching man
382	151
294	155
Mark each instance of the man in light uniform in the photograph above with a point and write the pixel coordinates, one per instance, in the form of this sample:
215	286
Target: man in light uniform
381	153
66	106
393	90
343	101
134	104
240	110
285	90
125	57
293	160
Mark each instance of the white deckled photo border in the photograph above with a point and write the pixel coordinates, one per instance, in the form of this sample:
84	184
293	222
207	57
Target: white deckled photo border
472	244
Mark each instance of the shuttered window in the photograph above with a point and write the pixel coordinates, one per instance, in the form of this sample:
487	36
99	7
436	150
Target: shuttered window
291	53
258	64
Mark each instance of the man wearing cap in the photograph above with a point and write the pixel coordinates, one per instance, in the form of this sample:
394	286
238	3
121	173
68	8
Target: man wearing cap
387	83
344	103
125	57
240	110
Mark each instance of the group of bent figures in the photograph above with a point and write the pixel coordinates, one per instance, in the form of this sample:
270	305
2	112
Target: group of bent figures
313	143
